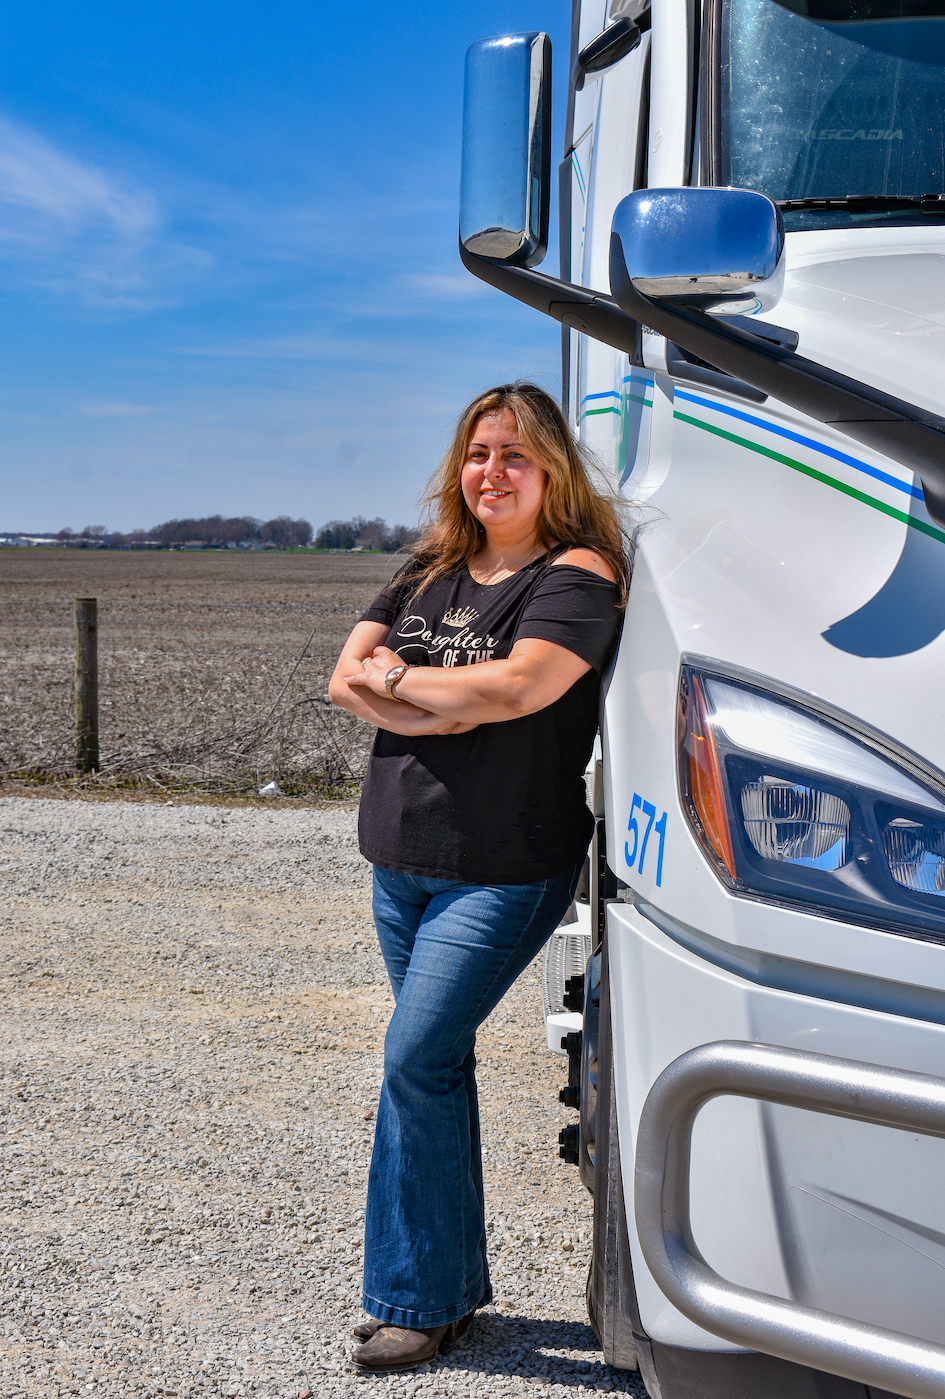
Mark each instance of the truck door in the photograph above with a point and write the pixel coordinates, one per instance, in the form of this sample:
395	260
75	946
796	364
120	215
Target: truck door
607	396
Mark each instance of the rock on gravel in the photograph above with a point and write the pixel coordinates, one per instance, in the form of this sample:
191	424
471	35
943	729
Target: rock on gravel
192	1013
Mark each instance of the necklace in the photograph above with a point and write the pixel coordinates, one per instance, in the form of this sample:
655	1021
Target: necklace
500	572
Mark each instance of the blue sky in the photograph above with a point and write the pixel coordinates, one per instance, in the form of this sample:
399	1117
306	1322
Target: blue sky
228	269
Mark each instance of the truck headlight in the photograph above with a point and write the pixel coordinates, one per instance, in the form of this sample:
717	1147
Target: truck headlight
801	825
792	803
916	855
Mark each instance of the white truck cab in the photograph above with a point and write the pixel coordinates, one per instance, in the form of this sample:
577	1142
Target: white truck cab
752	301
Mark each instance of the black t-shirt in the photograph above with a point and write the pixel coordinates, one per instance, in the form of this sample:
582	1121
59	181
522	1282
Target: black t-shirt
503	803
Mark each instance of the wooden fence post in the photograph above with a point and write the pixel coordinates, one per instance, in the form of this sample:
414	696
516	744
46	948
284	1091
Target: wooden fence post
86	684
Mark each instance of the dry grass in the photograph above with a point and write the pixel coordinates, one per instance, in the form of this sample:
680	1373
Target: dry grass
195	652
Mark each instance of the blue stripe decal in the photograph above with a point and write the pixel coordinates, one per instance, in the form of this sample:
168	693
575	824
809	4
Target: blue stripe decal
803	442
639	381
611	393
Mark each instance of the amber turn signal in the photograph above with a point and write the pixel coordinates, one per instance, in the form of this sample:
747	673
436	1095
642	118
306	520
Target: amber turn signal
705	777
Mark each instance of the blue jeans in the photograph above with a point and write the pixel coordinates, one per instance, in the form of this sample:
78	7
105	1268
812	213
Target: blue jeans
451	951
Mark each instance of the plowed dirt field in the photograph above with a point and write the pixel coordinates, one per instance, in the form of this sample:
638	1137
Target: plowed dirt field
195	652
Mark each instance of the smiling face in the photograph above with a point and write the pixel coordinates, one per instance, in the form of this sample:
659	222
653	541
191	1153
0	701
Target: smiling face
502	483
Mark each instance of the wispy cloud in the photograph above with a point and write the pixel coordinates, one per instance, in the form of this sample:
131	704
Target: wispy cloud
446	286
144	236
61	193
333	348
70	227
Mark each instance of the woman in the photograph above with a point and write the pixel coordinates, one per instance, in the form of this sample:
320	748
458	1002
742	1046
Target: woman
480	666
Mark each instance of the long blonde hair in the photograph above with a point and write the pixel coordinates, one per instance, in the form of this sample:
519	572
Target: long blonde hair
575	509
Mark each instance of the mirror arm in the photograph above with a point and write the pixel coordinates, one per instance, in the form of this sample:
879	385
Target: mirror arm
681	368
590	312
910	435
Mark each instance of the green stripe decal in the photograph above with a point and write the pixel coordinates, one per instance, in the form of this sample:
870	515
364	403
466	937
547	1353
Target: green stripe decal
629	398
817	475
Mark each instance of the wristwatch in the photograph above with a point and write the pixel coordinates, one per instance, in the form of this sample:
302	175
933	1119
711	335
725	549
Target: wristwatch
390	680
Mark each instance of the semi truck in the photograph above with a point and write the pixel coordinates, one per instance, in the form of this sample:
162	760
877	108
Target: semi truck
751	986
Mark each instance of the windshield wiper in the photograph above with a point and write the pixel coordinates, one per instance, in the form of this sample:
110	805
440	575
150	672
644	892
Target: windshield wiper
867	202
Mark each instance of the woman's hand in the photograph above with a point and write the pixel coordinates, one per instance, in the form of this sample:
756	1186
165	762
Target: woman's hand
374	670
411	719
369	701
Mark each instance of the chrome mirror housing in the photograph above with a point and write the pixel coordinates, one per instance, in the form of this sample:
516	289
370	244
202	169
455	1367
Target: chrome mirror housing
506	169
720	250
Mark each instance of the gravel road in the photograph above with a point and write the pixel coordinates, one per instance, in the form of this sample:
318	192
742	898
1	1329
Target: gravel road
192	1013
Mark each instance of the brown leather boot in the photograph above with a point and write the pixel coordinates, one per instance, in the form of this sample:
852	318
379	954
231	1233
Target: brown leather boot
367	1329
399	1348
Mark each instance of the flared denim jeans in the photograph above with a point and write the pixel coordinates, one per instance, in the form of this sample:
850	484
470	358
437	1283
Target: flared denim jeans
451	951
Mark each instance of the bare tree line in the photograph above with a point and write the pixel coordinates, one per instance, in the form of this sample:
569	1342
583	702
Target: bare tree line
359	533
242	532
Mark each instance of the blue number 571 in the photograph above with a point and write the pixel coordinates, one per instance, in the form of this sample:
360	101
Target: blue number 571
640	845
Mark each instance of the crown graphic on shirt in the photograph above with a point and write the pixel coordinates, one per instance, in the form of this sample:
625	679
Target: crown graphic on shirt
459	616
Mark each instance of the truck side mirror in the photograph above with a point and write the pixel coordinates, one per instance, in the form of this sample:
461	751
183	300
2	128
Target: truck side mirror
506	170
719	250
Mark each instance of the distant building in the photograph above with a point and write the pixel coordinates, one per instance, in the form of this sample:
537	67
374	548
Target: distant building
23	541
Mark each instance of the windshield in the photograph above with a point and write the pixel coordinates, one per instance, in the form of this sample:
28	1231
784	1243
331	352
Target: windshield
831	98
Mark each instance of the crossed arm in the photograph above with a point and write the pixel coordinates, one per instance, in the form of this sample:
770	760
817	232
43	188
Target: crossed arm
448	701
437	700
